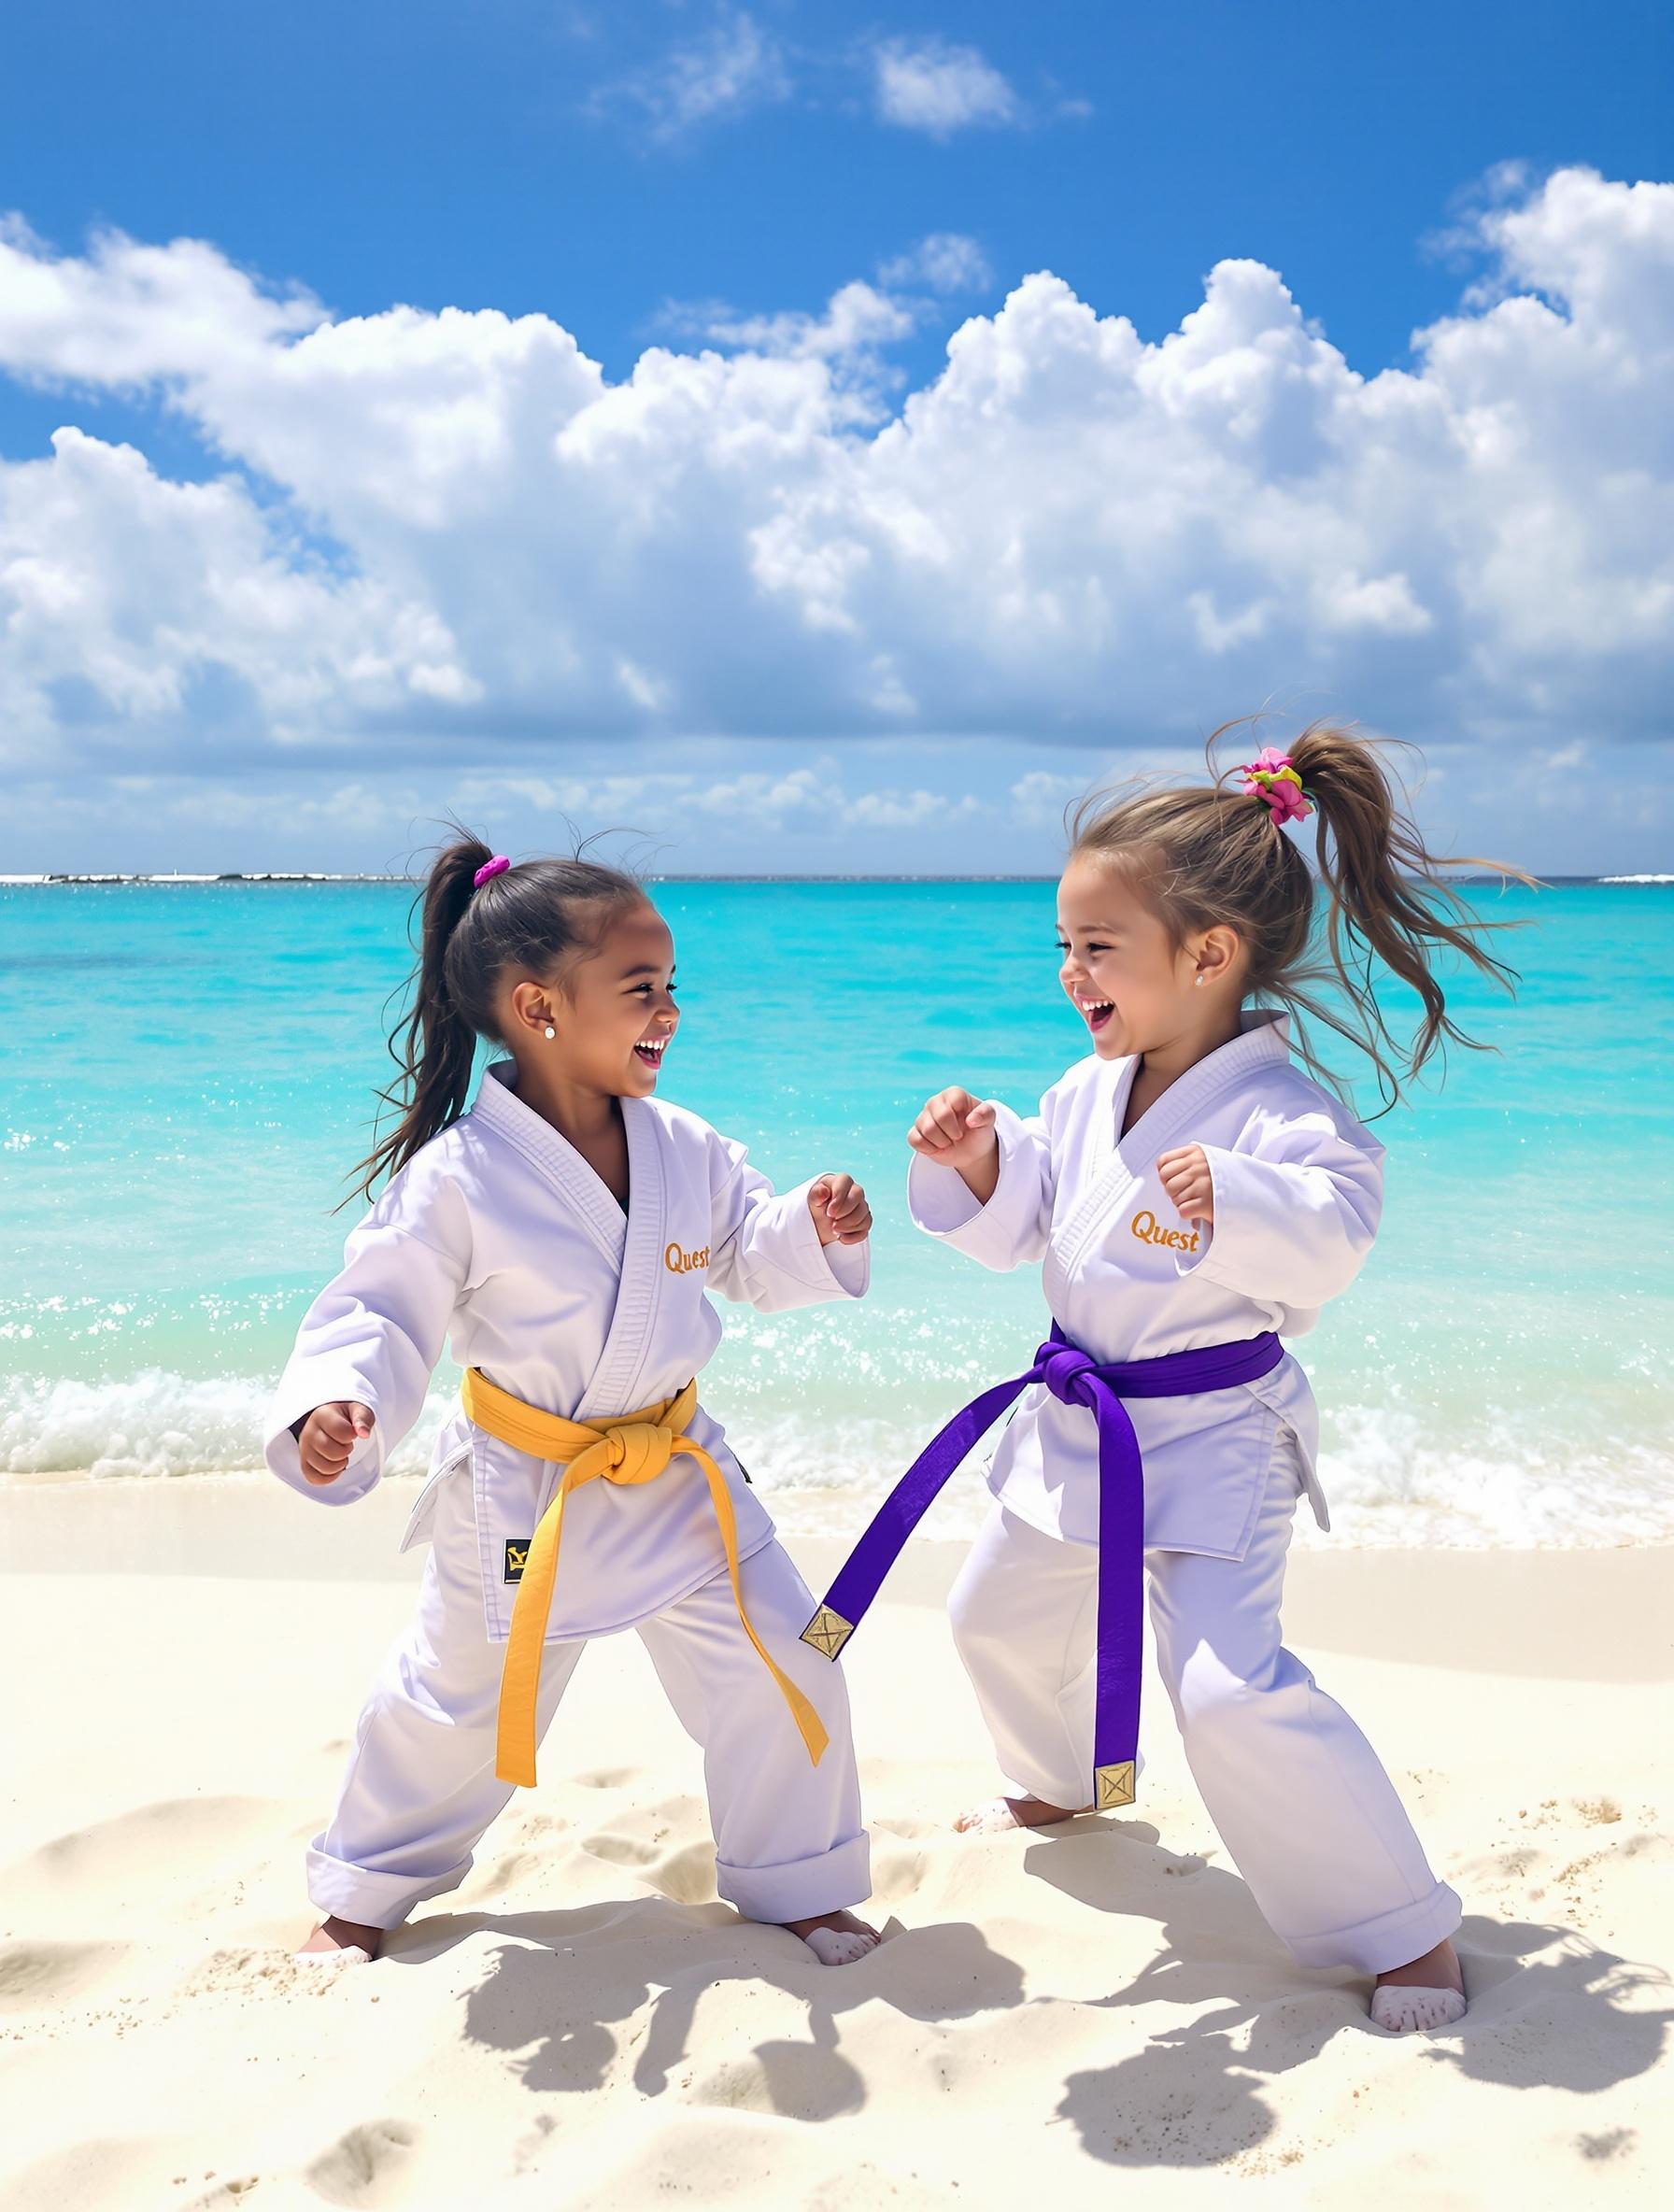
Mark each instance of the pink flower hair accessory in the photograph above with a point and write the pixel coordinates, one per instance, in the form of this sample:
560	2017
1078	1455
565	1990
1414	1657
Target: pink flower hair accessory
1270	778
497	866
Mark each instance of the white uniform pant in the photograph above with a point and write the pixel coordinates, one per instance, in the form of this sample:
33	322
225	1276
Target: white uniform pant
1305	1809
421	1787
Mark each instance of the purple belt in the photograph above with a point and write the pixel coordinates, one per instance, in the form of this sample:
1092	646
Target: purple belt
1074	1379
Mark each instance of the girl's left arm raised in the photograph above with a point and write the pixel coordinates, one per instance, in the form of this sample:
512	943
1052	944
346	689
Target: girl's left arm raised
1295	1209
765	1250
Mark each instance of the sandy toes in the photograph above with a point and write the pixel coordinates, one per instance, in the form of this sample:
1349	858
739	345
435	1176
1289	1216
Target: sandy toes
839	1946
1409	2010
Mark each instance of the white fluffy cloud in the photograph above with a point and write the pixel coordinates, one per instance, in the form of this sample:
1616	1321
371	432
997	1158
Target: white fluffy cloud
735	63
930	85
432	530
859	323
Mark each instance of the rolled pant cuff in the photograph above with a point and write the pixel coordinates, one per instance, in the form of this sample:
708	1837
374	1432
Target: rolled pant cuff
798	1889
375	1900
1375	1946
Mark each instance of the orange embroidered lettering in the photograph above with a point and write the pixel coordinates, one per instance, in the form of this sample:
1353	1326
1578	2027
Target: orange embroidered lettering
685	1263
1149	1230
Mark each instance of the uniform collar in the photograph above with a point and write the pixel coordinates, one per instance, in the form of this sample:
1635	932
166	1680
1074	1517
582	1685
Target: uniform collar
1262	1038
1262	1041
498	1106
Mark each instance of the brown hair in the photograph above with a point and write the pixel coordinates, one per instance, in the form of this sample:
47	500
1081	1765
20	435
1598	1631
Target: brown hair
535	916
1201	856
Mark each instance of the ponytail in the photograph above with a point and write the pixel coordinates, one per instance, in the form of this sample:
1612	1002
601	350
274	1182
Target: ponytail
536	916
1386	901
1203	856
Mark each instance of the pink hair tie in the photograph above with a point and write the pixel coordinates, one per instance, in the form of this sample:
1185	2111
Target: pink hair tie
497	866
1270	778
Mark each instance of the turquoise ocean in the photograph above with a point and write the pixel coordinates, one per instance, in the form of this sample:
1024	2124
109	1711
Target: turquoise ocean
187	1075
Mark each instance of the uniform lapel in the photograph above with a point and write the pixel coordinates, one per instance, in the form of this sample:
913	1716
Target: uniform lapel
633	1247
552	1156
1264	1040
615	1384
1099	1172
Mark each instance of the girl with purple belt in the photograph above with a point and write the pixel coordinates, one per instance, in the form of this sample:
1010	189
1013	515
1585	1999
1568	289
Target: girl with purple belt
1194	1196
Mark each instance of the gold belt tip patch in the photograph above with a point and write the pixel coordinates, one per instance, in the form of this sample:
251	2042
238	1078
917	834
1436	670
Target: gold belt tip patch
1113	1786
827	1632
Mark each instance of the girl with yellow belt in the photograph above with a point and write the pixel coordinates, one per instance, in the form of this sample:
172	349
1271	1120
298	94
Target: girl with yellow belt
562	1233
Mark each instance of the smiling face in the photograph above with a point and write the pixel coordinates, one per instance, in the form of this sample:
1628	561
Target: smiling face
622	1012
1136	991
612	1008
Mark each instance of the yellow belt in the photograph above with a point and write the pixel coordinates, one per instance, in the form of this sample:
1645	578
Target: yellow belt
634	1448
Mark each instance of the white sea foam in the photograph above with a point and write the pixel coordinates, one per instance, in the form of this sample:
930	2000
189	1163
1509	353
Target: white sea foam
1389	1483
154	1423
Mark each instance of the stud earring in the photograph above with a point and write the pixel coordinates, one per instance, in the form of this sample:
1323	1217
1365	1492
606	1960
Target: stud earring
1197	979
550	1031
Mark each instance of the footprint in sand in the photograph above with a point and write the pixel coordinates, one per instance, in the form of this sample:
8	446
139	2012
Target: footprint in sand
621	1850
685	1875
363	2168
789	2081
43	1976
143	1853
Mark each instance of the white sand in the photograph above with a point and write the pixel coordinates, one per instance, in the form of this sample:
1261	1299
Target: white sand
583	2024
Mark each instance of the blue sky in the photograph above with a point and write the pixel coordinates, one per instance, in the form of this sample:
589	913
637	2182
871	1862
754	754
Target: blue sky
476	156
681	180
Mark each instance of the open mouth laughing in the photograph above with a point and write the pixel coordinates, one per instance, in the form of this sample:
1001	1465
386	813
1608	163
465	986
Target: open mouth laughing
649	1050
1095	1012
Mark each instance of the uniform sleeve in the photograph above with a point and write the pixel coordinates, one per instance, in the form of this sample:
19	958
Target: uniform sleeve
1296	1209
1011	1228
764	1248
375	1332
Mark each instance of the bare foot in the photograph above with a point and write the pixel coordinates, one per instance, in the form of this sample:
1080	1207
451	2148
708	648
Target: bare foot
337	1938
1426	1993
1015	1812
835	1938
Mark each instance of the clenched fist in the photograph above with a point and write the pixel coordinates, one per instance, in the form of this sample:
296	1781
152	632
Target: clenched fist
329	1435
1185	1177
841	1213
956	1130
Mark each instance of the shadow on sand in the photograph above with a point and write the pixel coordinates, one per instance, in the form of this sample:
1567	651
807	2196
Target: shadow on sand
580	1999
1549	2008
565	1988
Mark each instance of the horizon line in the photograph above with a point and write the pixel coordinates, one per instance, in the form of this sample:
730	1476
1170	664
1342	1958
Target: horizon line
174	879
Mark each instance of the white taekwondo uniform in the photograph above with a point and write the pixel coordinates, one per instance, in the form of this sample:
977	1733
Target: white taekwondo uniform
499	1236
1297	1793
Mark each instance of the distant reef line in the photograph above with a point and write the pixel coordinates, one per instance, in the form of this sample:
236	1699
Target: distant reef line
56	877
